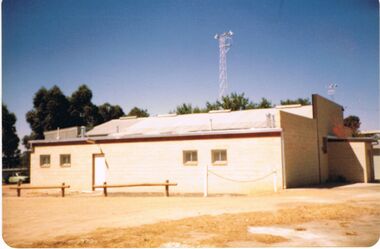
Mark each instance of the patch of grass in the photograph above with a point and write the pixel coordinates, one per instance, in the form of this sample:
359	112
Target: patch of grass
213	231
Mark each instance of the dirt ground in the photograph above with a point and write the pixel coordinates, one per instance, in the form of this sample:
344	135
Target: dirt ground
332	216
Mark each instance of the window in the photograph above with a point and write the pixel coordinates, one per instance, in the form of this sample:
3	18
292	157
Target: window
190	157
65	160
45	160
219	157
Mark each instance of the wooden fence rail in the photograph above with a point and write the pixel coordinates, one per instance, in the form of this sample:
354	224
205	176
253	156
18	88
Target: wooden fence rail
19	187
105	186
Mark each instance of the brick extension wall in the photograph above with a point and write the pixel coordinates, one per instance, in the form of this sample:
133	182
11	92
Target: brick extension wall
329	118
350	160
300	150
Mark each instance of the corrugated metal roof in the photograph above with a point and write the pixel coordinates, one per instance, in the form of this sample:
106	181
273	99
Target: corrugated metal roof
189	123
134	137
112	126
200	124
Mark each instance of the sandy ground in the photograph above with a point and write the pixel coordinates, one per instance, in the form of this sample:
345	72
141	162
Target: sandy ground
351	218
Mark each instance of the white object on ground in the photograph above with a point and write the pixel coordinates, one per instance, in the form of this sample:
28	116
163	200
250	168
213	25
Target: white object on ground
283	232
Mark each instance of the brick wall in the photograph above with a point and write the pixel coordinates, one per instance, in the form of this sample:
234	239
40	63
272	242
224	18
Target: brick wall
329	118
300	150
136	162
376	161
350	160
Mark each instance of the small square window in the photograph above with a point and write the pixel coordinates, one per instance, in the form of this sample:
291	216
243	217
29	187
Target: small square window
45	161
219	157
190	157
65	160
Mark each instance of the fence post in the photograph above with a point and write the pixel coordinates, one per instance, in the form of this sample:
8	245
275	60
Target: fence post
167	188
205	182
105	189
63	189
19	188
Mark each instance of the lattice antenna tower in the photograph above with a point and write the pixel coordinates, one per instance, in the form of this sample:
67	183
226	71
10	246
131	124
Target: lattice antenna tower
225	42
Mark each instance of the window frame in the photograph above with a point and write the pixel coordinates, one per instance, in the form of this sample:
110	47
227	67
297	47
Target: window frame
61	160
189	163
42	164
215	162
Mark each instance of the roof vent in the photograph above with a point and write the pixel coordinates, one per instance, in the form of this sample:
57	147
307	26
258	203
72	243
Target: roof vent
166	115
128	117
287	106
220	111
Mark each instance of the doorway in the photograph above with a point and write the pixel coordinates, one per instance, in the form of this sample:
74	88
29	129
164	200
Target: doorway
100	170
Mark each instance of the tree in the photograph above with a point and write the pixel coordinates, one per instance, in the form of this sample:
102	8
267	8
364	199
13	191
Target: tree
187	109
184	109
212	106
135	111
352	122
300	101
108	112
49	111
25	161
11	153
82	111
199	110
27	138
264	104
234	102
238	102
52	109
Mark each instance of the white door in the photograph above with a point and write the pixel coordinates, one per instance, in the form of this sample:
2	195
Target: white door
100	170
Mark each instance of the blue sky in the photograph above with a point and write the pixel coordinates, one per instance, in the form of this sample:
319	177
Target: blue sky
159	54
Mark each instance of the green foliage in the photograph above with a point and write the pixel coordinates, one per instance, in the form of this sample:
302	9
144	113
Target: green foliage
300	101
10	140
52	109
352	122
264	103
184	109
187	109
25	159
234	102
198	110
212	106
27	138
49	112
135	111
82	111
109	112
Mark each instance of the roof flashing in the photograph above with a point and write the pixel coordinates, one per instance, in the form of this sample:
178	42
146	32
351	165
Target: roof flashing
128	117
220	111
